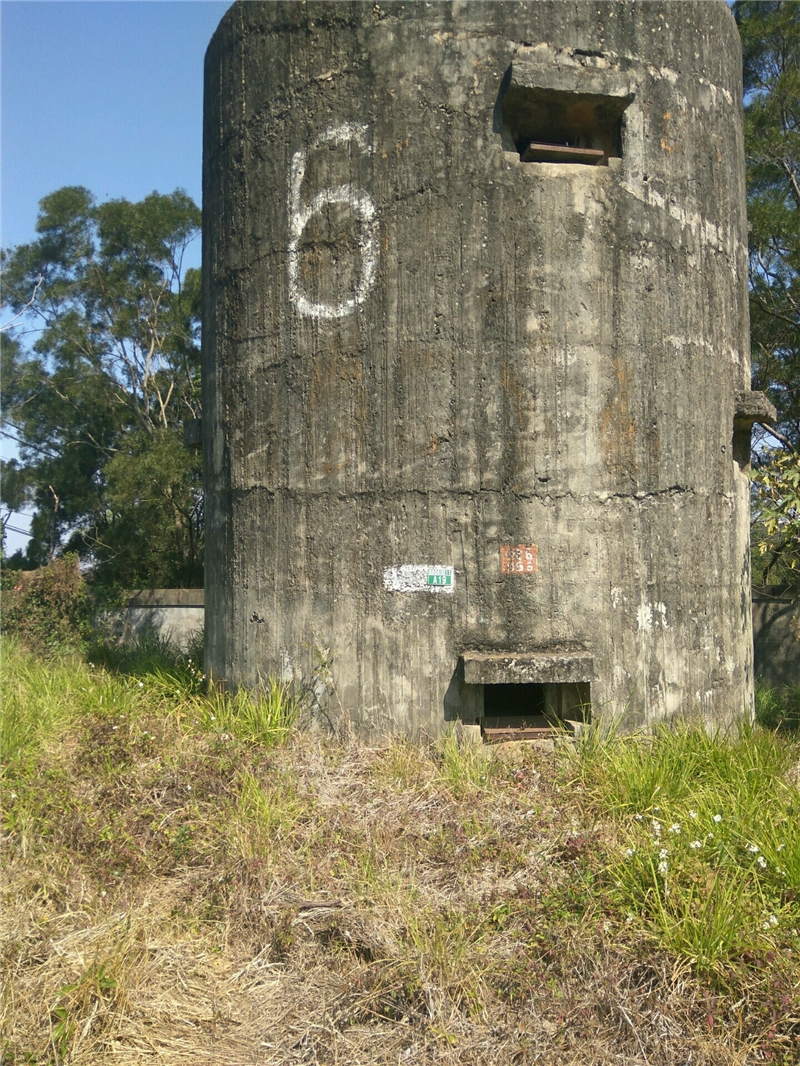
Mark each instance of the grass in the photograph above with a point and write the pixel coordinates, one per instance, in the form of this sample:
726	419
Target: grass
710	841
778	708
189	879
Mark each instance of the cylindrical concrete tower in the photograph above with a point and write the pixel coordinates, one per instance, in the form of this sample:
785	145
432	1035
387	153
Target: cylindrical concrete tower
476	372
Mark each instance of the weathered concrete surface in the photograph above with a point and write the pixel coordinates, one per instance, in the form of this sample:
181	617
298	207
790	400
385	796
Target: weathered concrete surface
553	667
419	350
776	635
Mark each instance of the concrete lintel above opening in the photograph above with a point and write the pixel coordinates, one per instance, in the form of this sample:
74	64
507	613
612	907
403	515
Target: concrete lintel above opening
556	667
752	407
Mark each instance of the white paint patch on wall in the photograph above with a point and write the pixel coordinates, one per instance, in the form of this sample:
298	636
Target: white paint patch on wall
411	577
359	202
287	666
652	616
720	238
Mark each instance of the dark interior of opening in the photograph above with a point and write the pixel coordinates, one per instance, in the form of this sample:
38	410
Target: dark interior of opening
742	445
534	706
547	125
522	703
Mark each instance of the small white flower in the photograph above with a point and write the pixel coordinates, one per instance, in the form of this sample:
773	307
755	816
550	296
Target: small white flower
781	847
663	853
103	893
696	844
12	795
770	922
656	828
662	867
692	814
188	788
709	836
717	817
752	848
656	808
213	718
675	828
639	817
630	852
762	862
114	728
141	684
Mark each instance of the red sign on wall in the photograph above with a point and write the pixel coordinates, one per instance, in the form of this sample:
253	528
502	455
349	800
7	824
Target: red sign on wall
519	558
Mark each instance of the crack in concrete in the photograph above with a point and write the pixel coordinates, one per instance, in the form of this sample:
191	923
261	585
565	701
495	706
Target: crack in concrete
389	494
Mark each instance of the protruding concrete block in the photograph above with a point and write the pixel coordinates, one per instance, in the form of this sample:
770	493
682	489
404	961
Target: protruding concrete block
752	407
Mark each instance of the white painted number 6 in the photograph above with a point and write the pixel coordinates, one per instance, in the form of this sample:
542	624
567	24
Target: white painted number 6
359	202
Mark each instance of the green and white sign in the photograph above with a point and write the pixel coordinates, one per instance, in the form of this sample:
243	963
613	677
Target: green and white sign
416	577
441	577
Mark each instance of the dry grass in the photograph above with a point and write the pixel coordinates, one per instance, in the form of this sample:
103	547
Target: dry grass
173	894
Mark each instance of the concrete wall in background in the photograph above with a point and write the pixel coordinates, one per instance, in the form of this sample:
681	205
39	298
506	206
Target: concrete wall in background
469	403
776	635
173	614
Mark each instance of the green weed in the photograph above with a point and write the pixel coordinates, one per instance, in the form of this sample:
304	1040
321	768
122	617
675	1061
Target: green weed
264	816
708	862
464	767
39	701
264	717
403	765
82	1006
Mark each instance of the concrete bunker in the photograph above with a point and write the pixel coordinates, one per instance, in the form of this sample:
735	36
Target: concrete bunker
474	430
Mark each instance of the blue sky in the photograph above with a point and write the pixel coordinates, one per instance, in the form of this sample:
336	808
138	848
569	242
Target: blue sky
102	93
105	94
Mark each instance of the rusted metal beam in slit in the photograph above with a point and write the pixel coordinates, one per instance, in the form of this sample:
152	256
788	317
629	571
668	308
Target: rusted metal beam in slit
538	152
497	734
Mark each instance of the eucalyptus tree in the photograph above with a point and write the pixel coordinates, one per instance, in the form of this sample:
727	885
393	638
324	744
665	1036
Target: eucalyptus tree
100	372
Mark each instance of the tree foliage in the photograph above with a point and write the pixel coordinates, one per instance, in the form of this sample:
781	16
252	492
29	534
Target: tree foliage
99	374
770	33
777	509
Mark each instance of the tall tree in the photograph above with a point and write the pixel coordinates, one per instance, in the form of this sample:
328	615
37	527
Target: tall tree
770	33
98	401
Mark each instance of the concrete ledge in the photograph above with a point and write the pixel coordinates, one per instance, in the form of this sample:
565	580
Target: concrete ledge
753	407
555	667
